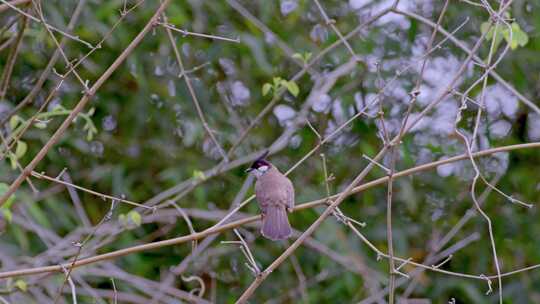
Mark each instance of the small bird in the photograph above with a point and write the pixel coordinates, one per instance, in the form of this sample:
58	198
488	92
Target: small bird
275	195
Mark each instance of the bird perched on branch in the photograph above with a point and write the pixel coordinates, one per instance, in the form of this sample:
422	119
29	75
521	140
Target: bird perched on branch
275	195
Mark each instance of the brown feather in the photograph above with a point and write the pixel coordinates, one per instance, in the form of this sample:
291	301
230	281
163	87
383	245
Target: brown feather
275	194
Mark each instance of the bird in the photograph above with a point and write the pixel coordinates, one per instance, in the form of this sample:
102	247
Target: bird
275	195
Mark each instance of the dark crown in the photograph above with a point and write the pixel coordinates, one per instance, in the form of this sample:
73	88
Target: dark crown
259	163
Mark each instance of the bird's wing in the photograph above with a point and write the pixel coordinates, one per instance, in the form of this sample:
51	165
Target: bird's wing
260	194
274	190
290	194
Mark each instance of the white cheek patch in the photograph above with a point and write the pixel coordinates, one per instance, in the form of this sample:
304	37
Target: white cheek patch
260	171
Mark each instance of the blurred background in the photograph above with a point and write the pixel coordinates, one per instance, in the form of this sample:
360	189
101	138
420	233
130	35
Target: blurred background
142	139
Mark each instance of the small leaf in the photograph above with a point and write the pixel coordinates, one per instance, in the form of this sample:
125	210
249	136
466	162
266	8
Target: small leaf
21	284
499	35
199	175
58	108
7	215
3	189
91	111
135	217
12	160
89	136
14	121
266	88
21	149
298	56
307	57
519	37
484	27
293	88
40	125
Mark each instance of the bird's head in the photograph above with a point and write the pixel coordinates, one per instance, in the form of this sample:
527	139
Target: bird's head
259	166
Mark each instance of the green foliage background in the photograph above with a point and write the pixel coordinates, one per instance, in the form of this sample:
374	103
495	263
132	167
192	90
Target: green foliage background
158	142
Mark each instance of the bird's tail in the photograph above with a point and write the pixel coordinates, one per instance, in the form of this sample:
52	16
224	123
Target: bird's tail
275	224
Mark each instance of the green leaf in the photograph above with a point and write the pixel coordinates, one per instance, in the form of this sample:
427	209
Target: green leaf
3	189
89	135
21	237
484	28
42	217
413	30
21	284
14	121
40	125
293	88
135	217
519	37
12	160
491	33
7	215
266	88
199	175
21	149
58	108
304	57
298	56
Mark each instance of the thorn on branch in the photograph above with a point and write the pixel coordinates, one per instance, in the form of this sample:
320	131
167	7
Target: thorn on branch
345	219
400	273
480	64
403	264
376	163
490	288
442	263
202	287
516	201
62	76
59	174
109	214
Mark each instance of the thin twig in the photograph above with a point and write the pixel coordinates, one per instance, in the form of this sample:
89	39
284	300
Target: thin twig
258	281
188	33
82	103
12	57
33	18
192	93
100	195
237	223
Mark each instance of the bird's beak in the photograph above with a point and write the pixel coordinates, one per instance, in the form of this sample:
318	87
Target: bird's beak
249	170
